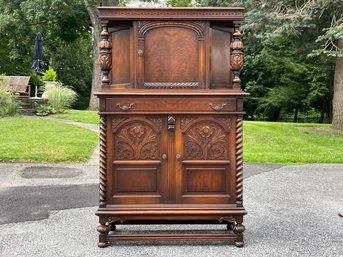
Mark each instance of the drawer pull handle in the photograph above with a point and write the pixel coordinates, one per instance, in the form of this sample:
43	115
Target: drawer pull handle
217	107
124	107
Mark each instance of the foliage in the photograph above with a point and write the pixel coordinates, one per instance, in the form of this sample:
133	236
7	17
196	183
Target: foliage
44	110
60	97
43	140
64	25
288	143
8	105
49	75
85	116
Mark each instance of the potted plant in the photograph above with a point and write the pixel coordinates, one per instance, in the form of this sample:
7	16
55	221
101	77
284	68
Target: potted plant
49	77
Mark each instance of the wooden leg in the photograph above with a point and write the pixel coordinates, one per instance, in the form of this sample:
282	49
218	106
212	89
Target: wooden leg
238	229
230	226
103	230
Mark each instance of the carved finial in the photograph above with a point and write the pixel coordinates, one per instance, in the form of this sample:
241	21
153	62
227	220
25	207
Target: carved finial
236	56
105	55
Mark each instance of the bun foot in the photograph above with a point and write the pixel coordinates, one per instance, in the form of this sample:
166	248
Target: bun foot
239	244
102	244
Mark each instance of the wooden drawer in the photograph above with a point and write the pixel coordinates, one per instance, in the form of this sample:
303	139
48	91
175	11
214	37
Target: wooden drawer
171	105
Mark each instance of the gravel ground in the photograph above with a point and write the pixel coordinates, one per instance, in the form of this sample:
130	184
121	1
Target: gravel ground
292	211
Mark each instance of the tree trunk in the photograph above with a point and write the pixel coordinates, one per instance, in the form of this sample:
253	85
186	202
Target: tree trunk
337	101
96	76
295	117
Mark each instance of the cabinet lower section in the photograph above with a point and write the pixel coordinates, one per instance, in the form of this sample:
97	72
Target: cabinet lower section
111	216
158	168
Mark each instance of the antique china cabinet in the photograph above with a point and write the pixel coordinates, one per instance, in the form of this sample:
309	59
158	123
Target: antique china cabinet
171	110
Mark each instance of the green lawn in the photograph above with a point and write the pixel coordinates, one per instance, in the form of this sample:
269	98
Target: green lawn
32	139
292	143
38	139
79	115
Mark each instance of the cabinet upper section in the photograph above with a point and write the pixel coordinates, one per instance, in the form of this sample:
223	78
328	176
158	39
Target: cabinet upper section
170	48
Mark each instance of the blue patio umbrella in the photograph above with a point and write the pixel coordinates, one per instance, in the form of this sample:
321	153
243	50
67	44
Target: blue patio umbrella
37	65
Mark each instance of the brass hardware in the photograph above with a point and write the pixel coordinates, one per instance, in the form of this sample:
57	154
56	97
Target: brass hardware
164	157
178	156
140	52
217	107
124	107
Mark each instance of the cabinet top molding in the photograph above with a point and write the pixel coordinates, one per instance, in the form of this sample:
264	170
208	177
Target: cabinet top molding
207	13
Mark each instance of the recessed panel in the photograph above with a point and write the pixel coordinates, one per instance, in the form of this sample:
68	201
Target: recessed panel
130	180
171	55
205	180
220	59
121	57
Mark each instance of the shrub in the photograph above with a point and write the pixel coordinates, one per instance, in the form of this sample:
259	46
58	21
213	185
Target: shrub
44	110
60	97
49	75
8	106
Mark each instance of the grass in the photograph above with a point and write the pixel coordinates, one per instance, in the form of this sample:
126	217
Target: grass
85	116
41	140
289	143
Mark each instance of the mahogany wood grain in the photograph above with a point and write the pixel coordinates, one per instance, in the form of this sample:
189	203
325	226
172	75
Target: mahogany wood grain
171	111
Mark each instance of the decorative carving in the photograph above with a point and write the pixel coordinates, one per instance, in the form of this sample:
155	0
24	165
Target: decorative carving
171	123
102	161
225	122
239	228
170	85
239	161
236	55
158	13
105	55
229	219
137	141
205	141
198	27
113	220
185	121
116	122
103	229
157	121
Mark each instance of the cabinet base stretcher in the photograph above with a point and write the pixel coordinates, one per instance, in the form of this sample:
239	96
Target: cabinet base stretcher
109	219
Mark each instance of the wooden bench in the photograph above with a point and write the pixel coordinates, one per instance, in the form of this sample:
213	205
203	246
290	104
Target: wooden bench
18	85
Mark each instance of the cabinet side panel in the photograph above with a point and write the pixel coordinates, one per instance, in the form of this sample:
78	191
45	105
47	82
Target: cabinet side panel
220	59
121	57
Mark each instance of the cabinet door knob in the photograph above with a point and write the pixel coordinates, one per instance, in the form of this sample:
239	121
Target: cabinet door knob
178	156
140	52
217	107
164	157
124	107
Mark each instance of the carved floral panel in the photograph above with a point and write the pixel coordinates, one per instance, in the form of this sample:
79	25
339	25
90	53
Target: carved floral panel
137	141
205	141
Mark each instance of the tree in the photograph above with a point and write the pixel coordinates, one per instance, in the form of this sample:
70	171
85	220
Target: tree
64	25
317	24
91	6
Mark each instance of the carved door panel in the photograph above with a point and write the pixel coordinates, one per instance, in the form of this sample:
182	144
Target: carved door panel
171	54
204	173
138	165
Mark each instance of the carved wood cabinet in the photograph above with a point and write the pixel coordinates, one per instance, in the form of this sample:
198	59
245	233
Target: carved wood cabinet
171	110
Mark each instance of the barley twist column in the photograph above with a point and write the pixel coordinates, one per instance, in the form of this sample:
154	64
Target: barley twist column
239	161
103	161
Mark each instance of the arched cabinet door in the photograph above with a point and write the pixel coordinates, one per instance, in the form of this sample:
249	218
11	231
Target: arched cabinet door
171	54
138	167
204	173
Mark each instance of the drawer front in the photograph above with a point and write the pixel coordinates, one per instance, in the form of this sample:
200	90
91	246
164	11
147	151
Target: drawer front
170	105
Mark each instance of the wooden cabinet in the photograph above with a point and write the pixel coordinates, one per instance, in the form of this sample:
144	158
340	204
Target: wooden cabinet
171	111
